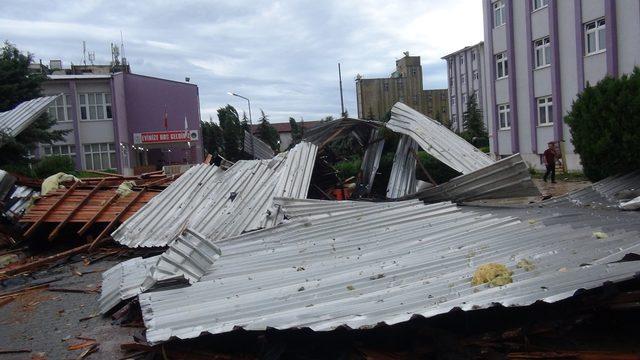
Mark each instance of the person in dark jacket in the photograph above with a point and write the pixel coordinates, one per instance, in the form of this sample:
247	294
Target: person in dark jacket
549	157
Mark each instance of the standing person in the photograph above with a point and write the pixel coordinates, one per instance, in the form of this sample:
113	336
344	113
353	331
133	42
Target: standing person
549	157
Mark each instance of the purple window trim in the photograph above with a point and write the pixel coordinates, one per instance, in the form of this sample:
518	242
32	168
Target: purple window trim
556	89
76	124
114	119
532	94
577	4
488	40
611	19
513	92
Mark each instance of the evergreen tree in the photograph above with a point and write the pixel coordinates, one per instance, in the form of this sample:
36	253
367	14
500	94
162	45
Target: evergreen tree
296	132
212	138
245	122
232	132
268	133
604	121
474	130
16	86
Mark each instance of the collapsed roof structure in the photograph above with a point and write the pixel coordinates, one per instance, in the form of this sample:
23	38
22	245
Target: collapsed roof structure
246	249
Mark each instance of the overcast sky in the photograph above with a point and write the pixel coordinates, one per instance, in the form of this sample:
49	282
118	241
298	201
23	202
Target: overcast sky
282	55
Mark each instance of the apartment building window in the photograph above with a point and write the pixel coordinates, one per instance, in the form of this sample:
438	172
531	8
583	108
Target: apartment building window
473	56
100	156
453	101
60	110
463	79
414	72
63	150
476	75
595	36
542	50
504	116
545	107
385	86
461	59
498	13
401	99
464	102
502	66
539	4
95	106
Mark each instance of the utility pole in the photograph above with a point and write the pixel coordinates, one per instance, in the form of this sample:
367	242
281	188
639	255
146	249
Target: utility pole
341	98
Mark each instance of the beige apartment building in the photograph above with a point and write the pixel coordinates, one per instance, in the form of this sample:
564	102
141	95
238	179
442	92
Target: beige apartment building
375	97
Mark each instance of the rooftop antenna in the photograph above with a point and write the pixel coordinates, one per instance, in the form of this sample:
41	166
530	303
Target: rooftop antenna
342	114
124	59
84	52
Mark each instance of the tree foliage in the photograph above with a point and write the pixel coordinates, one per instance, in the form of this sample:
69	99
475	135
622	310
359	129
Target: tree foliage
232	133
212	138
16	86
268	133
296	132
604	122
474	130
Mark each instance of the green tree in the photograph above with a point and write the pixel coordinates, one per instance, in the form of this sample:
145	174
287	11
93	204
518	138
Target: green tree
268	133
604	122
212	138
232	132
16	86
296	132
473	124
245	122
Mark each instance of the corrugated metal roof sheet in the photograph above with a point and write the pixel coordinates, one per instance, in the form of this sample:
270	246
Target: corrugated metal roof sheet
333	130
371	158
373	263
14	121
123	281
606	193
507	178
437	140
260	149
220	204
402	179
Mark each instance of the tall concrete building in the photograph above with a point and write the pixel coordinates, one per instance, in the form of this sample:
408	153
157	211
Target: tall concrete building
375	97
540	54
465	76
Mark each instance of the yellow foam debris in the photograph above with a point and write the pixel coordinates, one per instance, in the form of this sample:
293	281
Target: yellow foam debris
492	274
600	235
526	264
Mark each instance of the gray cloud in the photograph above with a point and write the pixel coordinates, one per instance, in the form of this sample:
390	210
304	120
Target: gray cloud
281	54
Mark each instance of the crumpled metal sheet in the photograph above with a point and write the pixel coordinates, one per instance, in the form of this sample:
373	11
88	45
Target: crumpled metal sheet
371	158
365	265
402	179
339	128
437	140
506	178
219	204
606	193
260	149
123	281
13	122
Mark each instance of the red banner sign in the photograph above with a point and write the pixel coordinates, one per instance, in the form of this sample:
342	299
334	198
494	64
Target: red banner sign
156	137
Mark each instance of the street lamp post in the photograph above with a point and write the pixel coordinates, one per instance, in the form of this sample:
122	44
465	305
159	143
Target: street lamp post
250	122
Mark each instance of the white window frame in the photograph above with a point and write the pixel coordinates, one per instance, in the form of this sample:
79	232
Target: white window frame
59	149
504	116
473	56
596	29
101	152
101	104
453	101
502	66
476	75
462	59
542	52
463	79
545	110
499	13
62	103
540	4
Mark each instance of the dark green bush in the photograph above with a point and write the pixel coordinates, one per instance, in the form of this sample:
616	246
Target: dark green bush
52	165
348	168
605	126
